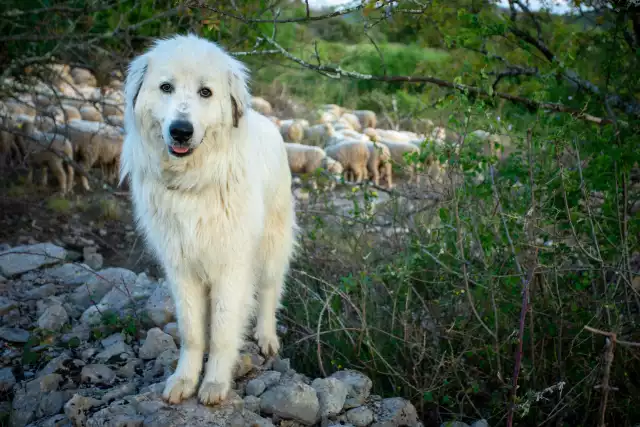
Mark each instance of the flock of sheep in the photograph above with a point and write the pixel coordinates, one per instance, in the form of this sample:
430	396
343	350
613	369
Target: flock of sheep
347	143
72	119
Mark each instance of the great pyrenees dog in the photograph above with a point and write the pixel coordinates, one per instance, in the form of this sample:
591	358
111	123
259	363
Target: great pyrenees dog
211	191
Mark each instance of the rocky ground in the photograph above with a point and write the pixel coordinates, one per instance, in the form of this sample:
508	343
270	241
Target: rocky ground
93	348
86	341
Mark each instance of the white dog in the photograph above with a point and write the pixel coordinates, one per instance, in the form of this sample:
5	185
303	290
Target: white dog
211	191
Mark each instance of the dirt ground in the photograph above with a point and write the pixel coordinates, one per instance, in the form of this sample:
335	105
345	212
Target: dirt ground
99	218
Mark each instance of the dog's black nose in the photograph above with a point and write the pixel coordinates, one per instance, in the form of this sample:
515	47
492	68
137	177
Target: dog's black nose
181	130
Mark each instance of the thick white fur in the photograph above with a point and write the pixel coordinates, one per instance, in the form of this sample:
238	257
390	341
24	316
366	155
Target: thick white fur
221	221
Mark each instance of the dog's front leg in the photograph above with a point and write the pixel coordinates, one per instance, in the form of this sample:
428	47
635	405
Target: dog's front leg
231	304
190	297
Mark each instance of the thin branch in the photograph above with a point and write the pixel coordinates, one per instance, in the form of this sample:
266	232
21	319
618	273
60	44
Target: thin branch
338	72
307	18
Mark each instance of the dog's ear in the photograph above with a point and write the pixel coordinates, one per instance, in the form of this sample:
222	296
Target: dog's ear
133	83
238	93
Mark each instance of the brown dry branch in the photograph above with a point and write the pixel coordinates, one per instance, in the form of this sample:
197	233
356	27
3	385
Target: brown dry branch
609	348
338	72
526	281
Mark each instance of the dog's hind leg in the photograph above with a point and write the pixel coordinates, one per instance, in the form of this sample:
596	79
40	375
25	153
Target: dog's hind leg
231	305
277	247
190	297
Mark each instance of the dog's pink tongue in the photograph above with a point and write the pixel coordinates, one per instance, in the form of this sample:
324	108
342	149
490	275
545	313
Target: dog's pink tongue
179	150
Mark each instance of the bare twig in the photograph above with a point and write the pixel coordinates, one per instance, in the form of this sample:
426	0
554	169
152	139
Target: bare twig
338	72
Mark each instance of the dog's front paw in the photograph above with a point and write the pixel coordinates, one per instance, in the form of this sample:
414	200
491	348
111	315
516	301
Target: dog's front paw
268	343
178	388
212	392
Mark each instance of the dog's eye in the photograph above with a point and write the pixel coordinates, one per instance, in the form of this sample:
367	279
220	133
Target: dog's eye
205	92
166	87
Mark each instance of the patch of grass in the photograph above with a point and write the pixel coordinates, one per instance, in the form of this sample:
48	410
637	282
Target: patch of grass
109	210
59	204
364	58
17	190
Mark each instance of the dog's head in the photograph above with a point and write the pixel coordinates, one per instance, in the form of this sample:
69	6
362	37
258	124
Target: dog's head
182	90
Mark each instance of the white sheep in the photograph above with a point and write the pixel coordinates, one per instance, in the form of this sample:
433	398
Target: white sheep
115	120
354	157
44	150
379	164
353	121
352	134
421	125
327	117
83	77
291	131
318	134
261	105
398	150
305	159
367	118
20	107
90	113
95	143
333	109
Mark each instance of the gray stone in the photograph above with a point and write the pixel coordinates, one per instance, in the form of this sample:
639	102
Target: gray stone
480	423
252	403
37	399
167	359
255	387
332	394
6	305
128	370
297	402
97	374
22	259
7	380
93	260
270	378
360	416
58	420
160	307
358	387
54	365
120	296
14	335
394	412
78	334
252	419
112	339
69	274
116	415
173	330
155	343
113	351
142	288
281	365
88	353
77	407
53	318
126	389
100	284
150	410
41	292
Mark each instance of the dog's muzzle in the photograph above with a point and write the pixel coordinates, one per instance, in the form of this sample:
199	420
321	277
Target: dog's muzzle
181	132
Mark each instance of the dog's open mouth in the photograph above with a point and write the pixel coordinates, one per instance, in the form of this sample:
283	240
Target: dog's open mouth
177	151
